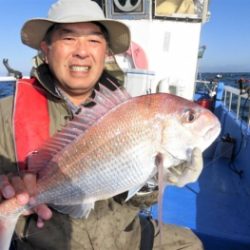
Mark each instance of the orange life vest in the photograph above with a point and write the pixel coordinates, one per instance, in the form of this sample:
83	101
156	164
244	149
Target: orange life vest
30	119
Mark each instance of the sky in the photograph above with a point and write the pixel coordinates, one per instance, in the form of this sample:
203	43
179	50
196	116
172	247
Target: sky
226	35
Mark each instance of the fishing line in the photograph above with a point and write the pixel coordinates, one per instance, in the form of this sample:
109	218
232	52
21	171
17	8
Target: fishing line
191	189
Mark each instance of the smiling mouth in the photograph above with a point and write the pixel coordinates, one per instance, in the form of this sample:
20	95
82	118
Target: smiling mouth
79	68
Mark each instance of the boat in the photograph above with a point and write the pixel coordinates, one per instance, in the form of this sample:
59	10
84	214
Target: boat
164	57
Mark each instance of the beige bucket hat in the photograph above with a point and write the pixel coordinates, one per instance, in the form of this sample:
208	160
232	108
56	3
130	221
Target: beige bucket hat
76	11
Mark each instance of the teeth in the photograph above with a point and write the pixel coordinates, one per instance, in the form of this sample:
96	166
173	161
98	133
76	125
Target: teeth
80	68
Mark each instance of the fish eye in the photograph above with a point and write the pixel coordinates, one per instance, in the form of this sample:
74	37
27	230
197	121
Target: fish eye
189	115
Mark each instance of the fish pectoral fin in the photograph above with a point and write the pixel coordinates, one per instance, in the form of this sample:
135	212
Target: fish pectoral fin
75	211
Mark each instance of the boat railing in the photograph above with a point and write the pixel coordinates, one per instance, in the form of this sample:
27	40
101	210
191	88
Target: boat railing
237	103
203	83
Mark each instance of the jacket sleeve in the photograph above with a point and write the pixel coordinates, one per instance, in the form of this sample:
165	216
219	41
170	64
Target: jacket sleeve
7	151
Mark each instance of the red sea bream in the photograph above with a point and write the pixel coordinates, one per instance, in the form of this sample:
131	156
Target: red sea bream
111	148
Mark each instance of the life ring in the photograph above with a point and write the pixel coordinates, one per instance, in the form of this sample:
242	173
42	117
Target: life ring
138	56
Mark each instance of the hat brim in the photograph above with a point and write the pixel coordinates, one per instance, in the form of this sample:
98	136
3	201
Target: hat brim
34	30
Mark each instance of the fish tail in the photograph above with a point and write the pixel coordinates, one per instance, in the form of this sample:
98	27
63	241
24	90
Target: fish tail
7	227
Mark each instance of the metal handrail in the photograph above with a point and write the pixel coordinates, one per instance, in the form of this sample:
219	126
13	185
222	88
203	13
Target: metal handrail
229	93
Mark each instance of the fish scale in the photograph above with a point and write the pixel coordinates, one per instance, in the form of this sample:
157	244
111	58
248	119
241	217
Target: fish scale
105	165
101	164
85	163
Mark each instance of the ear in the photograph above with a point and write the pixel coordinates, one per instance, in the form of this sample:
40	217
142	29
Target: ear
108	52
109	55
45	49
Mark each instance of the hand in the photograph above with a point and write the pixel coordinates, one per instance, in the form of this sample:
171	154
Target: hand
23	189
186	172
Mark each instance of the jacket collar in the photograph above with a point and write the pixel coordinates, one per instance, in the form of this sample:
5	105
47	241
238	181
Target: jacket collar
46	79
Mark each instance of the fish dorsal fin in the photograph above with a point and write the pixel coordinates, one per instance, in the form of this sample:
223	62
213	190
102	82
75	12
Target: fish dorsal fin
103	101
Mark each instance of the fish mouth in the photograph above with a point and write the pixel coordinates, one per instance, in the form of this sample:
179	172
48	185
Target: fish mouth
212	133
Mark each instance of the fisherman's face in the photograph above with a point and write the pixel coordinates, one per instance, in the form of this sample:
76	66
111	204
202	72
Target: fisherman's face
76	55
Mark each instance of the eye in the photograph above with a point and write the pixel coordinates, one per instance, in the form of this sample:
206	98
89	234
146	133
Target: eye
94	41
96	38
68	38
189	116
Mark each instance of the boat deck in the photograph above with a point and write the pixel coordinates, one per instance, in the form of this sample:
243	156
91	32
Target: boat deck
216	207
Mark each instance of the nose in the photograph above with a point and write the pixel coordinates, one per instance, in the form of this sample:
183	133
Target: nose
81	49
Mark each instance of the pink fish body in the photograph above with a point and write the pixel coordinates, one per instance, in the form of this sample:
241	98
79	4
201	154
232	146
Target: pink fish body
111	148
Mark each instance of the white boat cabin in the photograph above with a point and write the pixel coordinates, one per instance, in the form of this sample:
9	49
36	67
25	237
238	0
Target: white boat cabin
165	34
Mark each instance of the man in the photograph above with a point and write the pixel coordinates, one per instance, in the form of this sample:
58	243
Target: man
75	41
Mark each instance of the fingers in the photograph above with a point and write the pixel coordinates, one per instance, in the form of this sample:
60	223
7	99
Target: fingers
6	189
39	223
177	170
13	187
24	189
44	213
186	172
172	179
20	190
30	183
197	160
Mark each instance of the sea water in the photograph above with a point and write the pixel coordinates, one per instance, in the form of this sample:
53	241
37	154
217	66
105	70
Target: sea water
6	88
230	79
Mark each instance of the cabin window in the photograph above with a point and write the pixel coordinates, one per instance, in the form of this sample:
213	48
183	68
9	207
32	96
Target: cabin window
180	9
